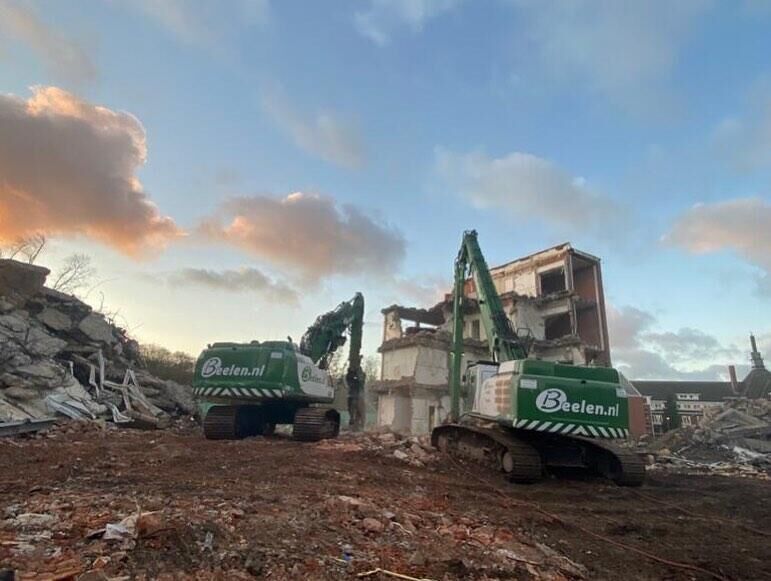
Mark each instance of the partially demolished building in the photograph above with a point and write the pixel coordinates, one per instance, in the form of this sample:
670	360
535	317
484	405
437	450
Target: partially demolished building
556	294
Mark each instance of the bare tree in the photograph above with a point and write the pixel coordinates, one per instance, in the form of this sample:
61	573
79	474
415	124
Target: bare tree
75	273
26	248
161	362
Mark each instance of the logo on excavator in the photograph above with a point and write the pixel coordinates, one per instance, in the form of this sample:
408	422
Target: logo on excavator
307	375
553	400
213	366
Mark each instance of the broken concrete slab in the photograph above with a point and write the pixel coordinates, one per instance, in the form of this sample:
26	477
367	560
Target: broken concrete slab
96	328
19	281
55	319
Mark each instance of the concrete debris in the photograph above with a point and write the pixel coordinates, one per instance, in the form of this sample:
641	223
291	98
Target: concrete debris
734	438
59	357
134	526
25	427
508	551
32	520
19	281
414	450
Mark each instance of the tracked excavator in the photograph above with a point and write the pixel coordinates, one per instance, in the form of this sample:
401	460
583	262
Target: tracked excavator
520	415
245	389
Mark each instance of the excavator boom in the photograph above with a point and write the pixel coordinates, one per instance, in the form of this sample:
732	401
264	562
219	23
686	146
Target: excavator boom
327	334
503	341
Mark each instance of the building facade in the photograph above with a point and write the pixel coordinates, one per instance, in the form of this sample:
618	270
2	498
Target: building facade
693	397
555	296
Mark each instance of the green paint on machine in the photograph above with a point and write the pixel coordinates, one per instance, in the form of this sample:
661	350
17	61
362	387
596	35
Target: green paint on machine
257	372
570	400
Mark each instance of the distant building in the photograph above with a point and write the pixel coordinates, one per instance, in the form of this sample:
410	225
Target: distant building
693	397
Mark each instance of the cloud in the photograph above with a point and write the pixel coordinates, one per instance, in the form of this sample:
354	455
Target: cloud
624	50
626	325
640	353
688	344
68	167
65	58
203	22
745	141
526	185
307	233
323	134
425	291
742	225
244	280
383	18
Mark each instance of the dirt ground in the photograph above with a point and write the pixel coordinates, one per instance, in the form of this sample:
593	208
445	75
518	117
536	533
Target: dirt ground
278	509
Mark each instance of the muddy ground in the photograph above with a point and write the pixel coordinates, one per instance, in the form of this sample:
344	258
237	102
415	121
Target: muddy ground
277	509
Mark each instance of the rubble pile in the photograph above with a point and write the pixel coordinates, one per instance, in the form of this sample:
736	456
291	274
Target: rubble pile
413	450
732	438
57	355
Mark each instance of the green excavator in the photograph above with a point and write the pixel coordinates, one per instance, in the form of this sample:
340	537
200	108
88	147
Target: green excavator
521	415
245	389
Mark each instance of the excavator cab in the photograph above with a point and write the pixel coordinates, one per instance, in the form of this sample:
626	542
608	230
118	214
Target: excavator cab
477	373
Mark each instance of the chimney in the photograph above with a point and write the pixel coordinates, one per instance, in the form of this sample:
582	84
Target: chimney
734	383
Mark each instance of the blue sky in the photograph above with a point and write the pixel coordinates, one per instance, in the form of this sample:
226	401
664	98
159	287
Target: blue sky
640	132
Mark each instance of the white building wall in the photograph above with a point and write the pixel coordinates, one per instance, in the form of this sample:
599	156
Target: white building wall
525	283
428	411
431	366
400	363
386	409
419	424
527	316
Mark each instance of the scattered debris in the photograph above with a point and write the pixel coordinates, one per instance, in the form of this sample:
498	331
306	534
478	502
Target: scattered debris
180	506
731	439
414	450
25	426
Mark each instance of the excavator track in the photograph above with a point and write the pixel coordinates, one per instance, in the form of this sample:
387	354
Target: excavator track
314	424
499	450
618	464
236	422
221	423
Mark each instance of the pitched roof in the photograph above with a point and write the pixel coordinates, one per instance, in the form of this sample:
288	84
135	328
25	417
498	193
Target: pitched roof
757	384
707	390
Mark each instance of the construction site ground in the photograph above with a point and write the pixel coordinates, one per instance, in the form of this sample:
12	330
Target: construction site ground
278	509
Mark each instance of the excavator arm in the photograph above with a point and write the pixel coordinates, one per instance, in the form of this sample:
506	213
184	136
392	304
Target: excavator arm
326	335
503	341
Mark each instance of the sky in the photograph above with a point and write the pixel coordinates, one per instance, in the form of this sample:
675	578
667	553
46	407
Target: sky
235	168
